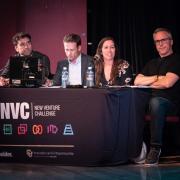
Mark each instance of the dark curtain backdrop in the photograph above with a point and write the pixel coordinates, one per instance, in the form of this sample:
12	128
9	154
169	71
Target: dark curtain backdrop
132	23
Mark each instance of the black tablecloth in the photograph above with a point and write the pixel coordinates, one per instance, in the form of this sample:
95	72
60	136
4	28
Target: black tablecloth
71	126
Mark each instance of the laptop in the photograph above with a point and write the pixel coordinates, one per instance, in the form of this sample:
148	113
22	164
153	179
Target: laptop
26	72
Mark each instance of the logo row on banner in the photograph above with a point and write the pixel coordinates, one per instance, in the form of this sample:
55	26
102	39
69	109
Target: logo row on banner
37	129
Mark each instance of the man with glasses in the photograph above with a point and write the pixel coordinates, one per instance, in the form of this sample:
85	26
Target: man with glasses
23	47
162	74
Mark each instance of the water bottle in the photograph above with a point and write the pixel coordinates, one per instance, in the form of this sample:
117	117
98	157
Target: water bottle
89	77
64	77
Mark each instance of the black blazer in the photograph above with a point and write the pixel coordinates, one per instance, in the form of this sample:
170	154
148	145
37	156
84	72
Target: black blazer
85	62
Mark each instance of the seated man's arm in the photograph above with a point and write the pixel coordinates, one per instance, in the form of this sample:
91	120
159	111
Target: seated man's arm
145	80
166	81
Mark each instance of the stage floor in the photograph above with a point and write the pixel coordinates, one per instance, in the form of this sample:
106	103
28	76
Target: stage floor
168	168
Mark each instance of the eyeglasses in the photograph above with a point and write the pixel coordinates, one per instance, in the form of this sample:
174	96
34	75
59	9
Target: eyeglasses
161	41
24	44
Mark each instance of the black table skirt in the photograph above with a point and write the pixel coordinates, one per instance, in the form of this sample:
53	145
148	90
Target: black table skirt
71	126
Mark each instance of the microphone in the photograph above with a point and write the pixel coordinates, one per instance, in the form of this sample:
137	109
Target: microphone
97	57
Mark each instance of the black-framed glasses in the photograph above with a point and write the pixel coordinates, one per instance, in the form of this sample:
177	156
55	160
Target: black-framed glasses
23	44
161	41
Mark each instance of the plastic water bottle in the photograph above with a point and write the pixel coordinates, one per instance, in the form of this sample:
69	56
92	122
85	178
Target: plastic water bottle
65	77
89	77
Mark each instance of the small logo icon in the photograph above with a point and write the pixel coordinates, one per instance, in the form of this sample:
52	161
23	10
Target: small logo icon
68	130
37	129
29	153
7	128
22	129
52	129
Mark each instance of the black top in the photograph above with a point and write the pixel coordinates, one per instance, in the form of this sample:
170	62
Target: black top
123	76
160	66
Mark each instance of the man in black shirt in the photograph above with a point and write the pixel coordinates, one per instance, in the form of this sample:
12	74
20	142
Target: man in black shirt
162	74
23	47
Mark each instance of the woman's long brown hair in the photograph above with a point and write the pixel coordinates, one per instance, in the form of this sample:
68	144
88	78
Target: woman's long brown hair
99	61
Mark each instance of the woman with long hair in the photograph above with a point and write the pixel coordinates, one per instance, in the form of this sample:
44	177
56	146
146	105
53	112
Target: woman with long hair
109	69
